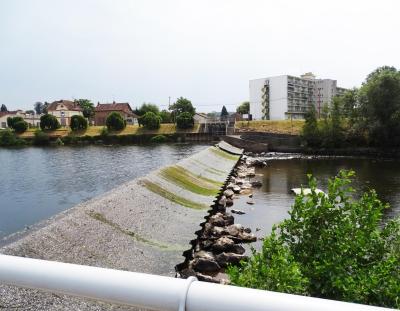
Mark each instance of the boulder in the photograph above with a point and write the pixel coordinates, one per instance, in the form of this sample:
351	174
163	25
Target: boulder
256	183
222	201
205	265
229	202
236	189
236	248
206	278
224	259
233	230
246	237
222	244
237	211
239	182
217	220
217	231
228	193
228	219
251	202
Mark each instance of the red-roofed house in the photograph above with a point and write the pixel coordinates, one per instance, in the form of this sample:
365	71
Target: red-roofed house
103	110
63	110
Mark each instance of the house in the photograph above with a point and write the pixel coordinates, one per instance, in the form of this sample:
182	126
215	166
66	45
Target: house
200	118
103	110
63	110
6	114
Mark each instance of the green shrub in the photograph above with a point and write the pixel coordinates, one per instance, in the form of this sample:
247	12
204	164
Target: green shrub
159	139
78	122
49	122
104	132
7	138
336	246
12	120
115	122
184	120
41	138
150	120
20	126
59	142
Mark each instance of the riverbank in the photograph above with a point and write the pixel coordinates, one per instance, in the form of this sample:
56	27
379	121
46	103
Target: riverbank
143	225
132	134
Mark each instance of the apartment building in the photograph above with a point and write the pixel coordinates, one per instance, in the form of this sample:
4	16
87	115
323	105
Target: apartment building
289	97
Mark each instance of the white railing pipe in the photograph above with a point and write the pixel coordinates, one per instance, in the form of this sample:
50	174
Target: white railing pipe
154	292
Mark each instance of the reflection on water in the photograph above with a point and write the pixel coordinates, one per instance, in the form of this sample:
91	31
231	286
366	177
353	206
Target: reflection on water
37	183
273	200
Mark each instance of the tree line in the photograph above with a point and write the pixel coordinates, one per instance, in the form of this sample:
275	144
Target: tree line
368	116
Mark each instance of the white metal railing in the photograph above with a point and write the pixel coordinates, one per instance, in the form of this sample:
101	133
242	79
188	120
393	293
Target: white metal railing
154	292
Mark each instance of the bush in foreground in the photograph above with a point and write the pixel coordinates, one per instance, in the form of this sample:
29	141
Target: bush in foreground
8	138
115	122
185	120
49	122
332	247
150	120
78	123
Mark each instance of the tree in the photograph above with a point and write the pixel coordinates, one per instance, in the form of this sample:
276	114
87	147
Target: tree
78	123
12	120
336	246
182	105
244	108
115	122
49	122
3	108
87	107
224	114
148	107
20	126
310	131
380	106
38	106
184	120
45	107
150	120
166	116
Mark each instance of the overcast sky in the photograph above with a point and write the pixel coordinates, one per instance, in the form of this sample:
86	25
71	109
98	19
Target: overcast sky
205	50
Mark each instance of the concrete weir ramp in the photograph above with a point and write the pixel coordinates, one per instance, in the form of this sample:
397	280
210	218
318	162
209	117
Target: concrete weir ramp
144	225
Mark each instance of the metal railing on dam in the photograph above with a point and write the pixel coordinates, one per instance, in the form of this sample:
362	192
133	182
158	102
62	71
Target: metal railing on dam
154	292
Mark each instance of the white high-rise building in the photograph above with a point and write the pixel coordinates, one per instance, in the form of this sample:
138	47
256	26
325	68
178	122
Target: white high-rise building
286	97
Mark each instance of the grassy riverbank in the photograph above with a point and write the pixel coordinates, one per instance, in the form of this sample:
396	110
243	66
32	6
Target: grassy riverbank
94	131
293	127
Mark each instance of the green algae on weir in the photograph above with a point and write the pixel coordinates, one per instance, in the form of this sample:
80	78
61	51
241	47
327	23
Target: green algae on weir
153	187
193	183
168	247
224	154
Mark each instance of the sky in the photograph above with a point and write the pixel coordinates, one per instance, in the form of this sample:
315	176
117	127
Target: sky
206	50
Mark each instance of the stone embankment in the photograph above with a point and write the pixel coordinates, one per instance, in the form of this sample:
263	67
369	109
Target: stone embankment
220	240
143	226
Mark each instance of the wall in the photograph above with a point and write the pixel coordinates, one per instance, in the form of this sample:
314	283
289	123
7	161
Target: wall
278	97
255	93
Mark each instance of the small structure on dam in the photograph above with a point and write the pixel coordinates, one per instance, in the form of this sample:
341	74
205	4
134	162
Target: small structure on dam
144	225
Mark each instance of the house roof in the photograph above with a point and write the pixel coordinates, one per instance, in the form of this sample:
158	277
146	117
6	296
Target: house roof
67	103
124	107
203	115
5	113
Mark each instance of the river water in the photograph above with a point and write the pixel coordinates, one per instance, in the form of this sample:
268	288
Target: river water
37	183
274	199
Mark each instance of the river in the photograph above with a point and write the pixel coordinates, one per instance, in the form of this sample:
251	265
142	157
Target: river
274	199
37	183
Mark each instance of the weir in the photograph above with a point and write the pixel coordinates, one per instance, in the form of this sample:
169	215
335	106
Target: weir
144	225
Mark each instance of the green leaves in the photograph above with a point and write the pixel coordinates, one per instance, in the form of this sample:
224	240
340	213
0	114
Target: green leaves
332	246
